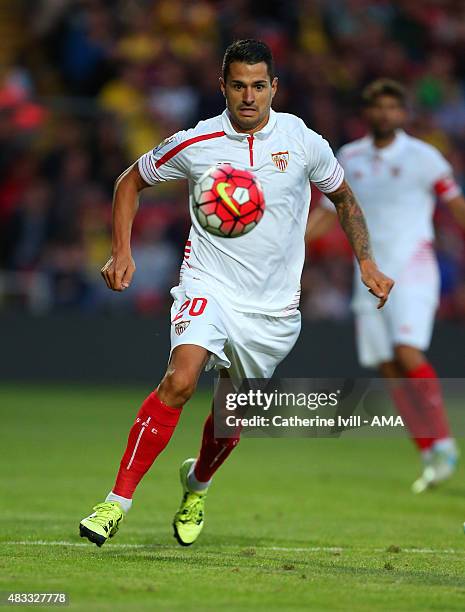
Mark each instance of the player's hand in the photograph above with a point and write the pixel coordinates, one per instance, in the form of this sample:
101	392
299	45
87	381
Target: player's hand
378	283
118	271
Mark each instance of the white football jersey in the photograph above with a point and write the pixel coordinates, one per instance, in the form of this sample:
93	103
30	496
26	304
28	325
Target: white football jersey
396	187
258	272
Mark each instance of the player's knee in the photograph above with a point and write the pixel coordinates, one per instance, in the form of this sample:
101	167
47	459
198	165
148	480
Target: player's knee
391	369
408	357
176	388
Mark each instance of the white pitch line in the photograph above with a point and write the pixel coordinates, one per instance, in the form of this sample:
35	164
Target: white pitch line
309	549
434	551
63	543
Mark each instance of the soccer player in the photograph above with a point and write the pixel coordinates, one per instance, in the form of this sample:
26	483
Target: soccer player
397	179
237	298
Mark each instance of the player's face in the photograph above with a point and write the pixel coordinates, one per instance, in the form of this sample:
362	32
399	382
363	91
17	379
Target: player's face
385	116
249	93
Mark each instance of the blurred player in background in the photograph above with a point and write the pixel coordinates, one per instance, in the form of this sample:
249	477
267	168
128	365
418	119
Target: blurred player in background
230	290
397	179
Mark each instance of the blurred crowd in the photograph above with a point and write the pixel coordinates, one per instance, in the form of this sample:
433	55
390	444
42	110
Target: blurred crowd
87	86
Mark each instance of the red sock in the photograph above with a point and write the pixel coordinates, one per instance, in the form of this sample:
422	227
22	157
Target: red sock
425	383
412	416
213	452
151	432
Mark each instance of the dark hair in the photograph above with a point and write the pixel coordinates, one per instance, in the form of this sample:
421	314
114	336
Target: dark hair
384	87
248	51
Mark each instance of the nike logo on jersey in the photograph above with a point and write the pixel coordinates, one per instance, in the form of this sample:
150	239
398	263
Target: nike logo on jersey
221	189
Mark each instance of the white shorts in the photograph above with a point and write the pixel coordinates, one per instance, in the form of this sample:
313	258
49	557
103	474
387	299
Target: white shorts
247	345
407	318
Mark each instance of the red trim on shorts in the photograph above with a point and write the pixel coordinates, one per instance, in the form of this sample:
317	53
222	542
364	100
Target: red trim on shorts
182	145
187	250
424	252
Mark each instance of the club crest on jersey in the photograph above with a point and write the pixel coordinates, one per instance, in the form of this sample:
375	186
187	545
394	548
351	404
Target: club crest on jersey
281	160
163	143
181	327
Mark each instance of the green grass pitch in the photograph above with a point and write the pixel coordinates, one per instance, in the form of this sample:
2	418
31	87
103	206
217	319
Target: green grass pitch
291	524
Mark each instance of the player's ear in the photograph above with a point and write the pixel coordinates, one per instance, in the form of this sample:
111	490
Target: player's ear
274	86
222	86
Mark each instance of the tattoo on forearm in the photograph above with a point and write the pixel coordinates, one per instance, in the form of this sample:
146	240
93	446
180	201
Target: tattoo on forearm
352	221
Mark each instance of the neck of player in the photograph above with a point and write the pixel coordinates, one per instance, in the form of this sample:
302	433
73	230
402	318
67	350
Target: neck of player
253	130
383	140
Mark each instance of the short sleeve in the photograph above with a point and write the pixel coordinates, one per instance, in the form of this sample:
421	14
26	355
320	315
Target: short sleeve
439	174
436	166
166	162
325	202
325	172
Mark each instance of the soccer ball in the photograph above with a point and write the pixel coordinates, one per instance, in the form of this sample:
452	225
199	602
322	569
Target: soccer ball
228	202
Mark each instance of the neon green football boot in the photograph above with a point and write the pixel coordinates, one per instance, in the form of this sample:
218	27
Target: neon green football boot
103	523
188	520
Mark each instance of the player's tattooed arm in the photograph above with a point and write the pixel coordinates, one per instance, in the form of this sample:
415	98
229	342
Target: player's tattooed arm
353	223
352	220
